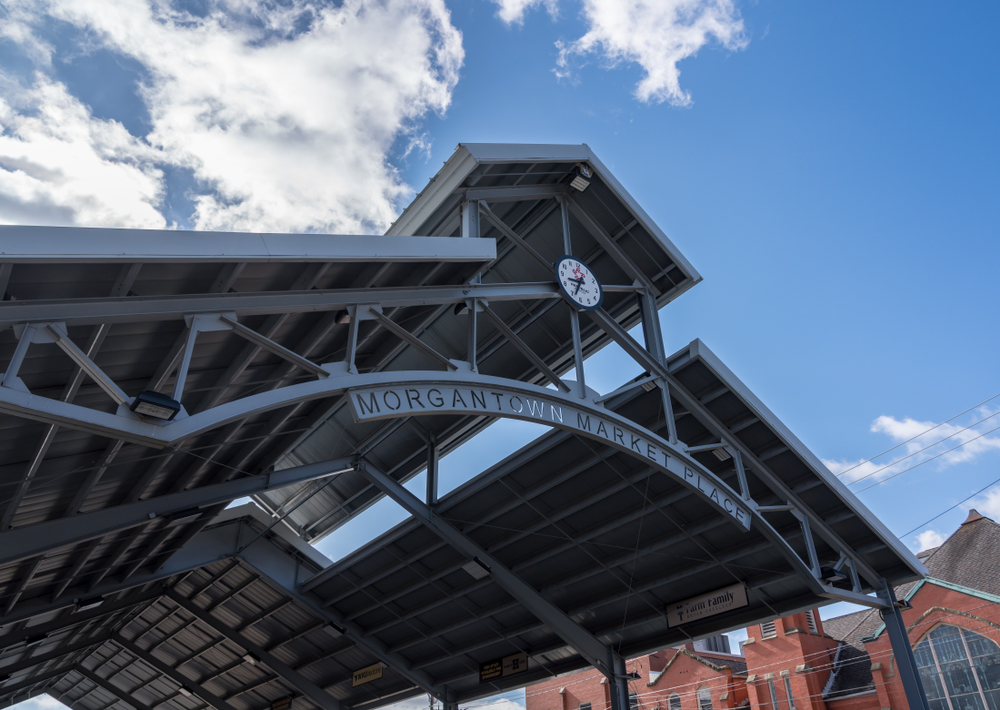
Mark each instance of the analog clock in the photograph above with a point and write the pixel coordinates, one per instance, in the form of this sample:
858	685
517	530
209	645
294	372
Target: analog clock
579	284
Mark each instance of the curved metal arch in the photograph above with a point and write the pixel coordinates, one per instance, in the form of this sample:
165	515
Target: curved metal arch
419	393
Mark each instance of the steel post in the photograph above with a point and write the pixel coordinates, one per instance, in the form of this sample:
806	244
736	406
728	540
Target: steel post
906	664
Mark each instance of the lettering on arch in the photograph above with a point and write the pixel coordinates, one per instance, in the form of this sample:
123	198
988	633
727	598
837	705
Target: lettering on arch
423	398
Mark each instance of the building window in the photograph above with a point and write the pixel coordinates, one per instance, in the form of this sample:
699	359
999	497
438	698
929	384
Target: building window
811	622
960	669
788	690
675	702
704	699
584	706
768	629
633	701
774	695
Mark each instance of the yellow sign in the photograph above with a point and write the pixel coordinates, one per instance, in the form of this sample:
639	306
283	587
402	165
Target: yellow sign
366	675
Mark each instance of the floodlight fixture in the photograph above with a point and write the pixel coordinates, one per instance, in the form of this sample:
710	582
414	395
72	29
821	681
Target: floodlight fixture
581	181
35	640
477	568
85	604
250	658
335	630
155	405
185	692
721	454
648	386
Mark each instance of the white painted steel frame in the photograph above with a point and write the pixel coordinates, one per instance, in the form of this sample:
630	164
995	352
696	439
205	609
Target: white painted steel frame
35	245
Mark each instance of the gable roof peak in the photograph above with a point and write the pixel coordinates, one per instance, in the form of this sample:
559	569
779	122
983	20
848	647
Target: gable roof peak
974	515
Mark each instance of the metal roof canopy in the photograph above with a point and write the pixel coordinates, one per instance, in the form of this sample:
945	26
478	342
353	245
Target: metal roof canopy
306	365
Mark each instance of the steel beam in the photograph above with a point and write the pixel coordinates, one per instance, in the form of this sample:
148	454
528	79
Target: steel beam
616	253
163	669
512	193
39	245
94	311
296	680
283	572
408	337
589	647
899	639
514	236
81	617
120	693
516	341
24	542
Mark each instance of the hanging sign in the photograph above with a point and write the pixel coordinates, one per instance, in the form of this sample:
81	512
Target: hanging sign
710	604
386	402
503	667
366	675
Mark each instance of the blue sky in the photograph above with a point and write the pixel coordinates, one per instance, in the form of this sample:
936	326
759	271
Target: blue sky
831	169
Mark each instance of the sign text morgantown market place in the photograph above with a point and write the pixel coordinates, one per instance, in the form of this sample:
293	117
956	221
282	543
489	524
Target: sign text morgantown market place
385	401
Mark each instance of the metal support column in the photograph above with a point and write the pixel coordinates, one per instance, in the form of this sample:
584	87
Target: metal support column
901	649
618	685
574	315
432	471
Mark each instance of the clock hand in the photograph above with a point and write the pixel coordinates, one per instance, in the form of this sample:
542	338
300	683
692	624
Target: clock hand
579	283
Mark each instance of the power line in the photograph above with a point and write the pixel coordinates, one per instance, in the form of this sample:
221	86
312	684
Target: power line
862	463
889	478
929	446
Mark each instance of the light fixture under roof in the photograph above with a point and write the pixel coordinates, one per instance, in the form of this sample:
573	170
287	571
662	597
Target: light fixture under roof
85	604
185	692
581	181
721	454
250	658
155	405
648	386
477	568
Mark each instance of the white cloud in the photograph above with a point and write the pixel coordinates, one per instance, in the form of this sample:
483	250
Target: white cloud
42	702
285	113
926	540
656	35
513	11
959	441
61	166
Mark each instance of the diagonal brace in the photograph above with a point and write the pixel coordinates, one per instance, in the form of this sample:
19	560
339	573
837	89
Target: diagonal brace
513	236
408	337
316	694
267	344
525	350
587	645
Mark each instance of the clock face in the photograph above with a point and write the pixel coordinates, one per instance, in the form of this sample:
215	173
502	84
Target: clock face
579	284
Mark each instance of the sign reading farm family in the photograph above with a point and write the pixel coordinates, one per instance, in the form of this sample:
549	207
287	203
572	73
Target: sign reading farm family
384	402
732	597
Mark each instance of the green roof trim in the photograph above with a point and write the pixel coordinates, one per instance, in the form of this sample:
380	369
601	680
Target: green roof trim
940	583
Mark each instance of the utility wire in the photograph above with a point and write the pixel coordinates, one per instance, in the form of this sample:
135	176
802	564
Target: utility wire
929	446
862	463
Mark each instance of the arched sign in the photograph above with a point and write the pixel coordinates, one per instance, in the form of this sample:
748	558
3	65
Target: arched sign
554	409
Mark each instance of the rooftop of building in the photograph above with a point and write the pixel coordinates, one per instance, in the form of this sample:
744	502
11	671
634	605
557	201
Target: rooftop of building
967	558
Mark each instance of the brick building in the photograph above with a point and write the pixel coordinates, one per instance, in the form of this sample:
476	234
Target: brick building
801	662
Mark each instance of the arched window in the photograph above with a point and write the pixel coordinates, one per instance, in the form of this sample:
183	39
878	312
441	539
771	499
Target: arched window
960	669
704	699
674	702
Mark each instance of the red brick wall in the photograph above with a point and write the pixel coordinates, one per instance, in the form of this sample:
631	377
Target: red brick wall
804	657
932	605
